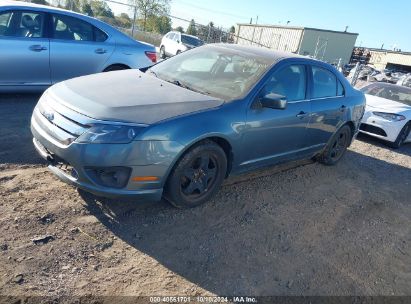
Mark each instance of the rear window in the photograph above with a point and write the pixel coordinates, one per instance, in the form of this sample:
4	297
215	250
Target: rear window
324	83
191	40
70	28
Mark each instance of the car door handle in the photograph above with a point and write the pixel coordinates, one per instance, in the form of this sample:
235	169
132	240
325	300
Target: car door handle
342	108
302	114
37	48
100	51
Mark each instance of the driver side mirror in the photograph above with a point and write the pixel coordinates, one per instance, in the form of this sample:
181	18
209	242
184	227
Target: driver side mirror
273	101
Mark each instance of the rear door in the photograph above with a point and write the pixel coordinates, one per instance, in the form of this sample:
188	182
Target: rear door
24	48
272	135
77	48
327	104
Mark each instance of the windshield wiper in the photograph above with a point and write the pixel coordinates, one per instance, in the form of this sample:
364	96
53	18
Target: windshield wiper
185	86
152	72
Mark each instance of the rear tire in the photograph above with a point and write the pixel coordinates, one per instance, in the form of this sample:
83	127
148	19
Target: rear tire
336	147
405	131
178	52
116	67
197	176
162	52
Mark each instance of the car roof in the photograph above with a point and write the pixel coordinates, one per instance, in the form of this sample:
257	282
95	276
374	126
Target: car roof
28	5
266	53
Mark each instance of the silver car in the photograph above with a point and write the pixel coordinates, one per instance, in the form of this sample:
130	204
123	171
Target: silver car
42	45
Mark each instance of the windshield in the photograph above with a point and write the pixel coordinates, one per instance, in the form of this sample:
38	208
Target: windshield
191	40
215	71
391	92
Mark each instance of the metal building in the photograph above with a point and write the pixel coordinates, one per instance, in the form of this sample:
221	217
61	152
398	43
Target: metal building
326	45
394	60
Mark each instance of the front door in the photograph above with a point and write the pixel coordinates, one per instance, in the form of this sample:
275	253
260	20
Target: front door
272	135
326	105
77	48
24	49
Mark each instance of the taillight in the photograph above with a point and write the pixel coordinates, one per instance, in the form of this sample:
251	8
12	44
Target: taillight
152	56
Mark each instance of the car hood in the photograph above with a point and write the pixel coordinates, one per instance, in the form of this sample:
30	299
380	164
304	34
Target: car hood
129	96
385	105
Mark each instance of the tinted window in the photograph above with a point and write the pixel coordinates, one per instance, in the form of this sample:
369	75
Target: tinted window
22	24
290	82
324	83
69	28
191	40
99	35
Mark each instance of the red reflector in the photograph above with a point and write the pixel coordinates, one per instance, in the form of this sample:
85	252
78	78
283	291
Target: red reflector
152	56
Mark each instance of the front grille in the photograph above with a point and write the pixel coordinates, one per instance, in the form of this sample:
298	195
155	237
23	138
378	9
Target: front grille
372	129
58	121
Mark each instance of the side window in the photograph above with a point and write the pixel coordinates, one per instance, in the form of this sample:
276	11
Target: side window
99	36
70	28
22	24
176	37
4	22
290	82
324	83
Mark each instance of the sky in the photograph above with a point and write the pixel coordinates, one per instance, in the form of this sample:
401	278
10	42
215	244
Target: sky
377	22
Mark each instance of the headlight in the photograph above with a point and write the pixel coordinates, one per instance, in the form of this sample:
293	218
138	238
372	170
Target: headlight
109	134
389	116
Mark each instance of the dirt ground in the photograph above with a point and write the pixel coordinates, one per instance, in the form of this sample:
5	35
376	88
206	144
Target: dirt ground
300	229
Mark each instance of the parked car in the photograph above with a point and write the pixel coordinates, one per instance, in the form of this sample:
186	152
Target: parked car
188	122
387	113
173	43
42	45
405	80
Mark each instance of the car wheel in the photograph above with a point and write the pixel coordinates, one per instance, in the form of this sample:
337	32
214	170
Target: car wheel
163	52
116	67
178	52
197	176
401	136
336	147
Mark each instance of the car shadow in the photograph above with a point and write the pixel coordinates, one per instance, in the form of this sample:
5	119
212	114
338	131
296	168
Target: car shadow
303	231
15	135
405	149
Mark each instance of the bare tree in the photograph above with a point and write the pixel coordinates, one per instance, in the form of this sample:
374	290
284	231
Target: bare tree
148	8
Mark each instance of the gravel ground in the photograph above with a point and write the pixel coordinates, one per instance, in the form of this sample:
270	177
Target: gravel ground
298	229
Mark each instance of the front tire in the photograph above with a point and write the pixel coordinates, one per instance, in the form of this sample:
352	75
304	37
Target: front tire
197	176
336	147
402	136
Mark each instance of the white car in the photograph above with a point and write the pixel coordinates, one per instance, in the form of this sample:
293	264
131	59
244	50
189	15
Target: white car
387	113
174	43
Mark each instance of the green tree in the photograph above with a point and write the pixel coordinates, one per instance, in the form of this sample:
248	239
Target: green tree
158	24
101	9
86	9
179	29
192	30
72	5
149	8
124	20
232	29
